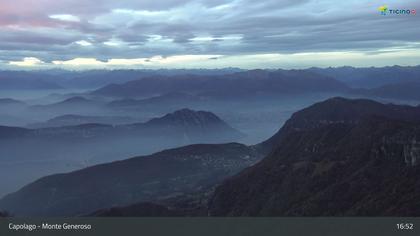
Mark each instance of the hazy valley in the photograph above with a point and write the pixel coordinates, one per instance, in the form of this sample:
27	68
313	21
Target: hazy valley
200	142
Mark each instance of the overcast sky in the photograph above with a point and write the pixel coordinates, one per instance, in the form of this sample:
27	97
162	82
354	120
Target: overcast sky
79	34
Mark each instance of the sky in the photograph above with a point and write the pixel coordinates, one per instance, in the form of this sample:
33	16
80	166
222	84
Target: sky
75	34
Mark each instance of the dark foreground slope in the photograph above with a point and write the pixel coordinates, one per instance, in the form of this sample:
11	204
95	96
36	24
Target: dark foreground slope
336	158
3	214
138	210
165	174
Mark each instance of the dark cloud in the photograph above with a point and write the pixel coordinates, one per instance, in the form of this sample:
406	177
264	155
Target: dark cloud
134	29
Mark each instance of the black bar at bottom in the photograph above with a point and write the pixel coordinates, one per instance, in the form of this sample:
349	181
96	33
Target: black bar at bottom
241	226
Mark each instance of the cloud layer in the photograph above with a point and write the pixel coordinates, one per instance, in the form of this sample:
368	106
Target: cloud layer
205	33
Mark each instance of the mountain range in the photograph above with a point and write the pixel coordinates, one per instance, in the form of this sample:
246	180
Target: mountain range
75	120
25	80
248	83
402	90
371	77
43	151
158	176
89	79
58	121
367	78
186	123
72	103
173	100
336	158
257	84
339	157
